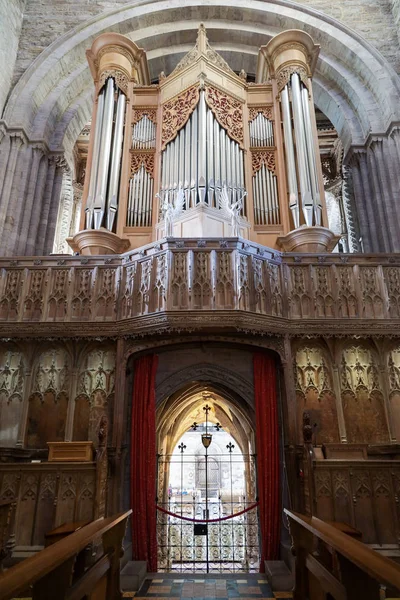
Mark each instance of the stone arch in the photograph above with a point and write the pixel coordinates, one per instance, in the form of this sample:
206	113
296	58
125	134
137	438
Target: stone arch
53	99
210	374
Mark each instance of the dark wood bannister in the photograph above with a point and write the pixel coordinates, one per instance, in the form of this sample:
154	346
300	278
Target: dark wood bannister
62	570
331	564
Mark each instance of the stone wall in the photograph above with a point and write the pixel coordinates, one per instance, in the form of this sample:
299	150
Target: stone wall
11	13
45	21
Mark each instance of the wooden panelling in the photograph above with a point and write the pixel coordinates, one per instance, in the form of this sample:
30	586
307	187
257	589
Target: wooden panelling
47	495
361	493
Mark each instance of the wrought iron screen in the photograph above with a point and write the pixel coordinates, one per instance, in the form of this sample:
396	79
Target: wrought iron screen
207	521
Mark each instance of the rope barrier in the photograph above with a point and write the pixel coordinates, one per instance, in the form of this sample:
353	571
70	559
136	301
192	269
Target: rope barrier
171	514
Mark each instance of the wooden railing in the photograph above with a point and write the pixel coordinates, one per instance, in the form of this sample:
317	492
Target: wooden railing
198	275
62	571
331	564
46	495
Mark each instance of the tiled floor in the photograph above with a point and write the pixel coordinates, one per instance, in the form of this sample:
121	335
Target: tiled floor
206	589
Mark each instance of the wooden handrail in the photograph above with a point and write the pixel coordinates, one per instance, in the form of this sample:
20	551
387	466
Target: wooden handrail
377	567
20	577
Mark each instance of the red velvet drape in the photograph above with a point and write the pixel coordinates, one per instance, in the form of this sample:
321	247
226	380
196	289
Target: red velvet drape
267	440
143	462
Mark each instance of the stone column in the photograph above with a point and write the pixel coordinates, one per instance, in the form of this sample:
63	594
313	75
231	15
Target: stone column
53	209
27	245
16	141
45	207
23	206
116	63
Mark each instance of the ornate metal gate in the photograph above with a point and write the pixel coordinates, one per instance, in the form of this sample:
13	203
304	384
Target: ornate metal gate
207	516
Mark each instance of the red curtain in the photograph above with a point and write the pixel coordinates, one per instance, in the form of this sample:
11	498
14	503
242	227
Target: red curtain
143	462
267	440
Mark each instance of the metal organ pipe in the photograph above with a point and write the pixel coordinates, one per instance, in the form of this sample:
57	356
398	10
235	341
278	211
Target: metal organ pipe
290	158
112	200
312	163
104	155
206	159
95	160
301	150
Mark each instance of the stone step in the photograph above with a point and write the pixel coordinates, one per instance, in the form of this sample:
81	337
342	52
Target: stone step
278	575
133	574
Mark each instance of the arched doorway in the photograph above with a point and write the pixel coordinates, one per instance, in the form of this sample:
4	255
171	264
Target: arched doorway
207	498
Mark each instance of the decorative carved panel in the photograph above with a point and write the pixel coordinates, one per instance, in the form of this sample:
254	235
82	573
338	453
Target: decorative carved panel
315	394
95	387
348	306
139	158
225	284
227	111
263	157
11	396
266	111
138	112
33	304
392	279
324	294
176	113
362	397
300	300
9	299
82	296
202	288
57	302
393	367
371	295
106	296
179	280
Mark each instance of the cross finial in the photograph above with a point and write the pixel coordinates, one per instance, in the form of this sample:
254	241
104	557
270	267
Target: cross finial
181	447
230	447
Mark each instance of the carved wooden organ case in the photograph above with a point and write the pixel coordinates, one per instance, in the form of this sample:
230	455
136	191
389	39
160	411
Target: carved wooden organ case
200	131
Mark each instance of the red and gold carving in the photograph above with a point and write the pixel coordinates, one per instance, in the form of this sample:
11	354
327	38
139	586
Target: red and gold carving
263	157
176	113
142	158
139	112
266	111
227	111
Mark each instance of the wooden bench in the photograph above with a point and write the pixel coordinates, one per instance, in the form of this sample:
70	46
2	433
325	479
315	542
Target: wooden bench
61	571
331	564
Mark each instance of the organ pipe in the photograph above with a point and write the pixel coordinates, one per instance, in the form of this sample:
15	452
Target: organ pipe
95	160
290	158
104	155
301	150
112	201
312	163
206	159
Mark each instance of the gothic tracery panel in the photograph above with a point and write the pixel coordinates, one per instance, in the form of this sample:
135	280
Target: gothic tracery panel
362	396
314	390
95	393
393	366
48	402
11	395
